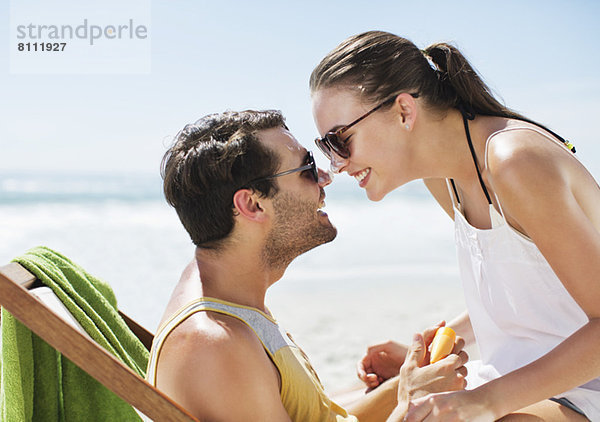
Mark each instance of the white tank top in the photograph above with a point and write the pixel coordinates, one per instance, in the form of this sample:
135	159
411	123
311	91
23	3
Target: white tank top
519	308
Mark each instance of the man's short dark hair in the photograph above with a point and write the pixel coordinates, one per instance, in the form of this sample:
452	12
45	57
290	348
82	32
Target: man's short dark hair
209	161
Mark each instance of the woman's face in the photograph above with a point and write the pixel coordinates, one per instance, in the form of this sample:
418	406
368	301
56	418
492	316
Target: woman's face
377	159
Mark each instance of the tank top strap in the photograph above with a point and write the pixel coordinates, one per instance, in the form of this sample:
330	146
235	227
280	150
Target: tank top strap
450	182
466	117
453	193
265	327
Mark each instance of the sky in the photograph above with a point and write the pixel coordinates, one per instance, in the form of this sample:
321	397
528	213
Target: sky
541	57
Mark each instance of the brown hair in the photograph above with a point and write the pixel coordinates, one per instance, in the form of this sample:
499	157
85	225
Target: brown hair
209	161
379	65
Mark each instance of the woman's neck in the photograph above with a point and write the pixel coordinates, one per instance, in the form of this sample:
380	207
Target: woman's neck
442	147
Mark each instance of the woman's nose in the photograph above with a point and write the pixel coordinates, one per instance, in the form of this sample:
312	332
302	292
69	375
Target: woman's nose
336	163
325	177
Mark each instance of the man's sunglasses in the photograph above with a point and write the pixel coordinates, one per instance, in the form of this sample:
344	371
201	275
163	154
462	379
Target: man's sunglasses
333	142
314	172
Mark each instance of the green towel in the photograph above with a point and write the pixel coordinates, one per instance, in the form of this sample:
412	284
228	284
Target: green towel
39	384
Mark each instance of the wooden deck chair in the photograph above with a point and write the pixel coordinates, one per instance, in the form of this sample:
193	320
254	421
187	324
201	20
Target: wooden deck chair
15	283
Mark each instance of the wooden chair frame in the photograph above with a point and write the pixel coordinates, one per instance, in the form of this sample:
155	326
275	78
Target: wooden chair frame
15	281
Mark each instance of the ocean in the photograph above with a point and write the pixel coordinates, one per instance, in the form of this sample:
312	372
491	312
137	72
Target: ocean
391	271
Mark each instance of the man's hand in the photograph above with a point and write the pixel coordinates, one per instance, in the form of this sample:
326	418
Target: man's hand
382	362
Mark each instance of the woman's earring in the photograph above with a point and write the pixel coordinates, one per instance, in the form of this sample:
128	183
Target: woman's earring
407	127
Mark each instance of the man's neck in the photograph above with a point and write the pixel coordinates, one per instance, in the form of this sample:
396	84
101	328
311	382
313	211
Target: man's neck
235	276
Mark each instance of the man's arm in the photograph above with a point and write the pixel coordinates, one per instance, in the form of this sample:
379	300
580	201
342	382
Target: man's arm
215	367
377	404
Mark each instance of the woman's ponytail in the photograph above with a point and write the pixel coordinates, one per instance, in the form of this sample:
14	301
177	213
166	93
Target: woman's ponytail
461	86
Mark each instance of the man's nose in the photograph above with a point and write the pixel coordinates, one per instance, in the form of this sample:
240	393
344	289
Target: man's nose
325	177
337	163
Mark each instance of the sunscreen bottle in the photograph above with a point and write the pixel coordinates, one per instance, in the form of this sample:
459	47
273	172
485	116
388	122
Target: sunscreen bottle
442	344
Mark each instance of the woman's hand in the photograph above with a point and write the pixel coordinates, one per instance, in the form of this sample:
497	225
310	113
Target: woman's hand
383	361
417	379
468	405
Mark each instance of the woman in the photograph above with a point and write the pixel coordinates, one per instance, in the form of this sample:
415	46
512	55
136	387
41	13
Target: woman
525	212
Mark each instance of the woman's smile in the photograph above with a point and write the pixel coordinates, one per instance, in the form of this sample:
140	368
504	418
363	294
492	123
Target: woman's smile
362	176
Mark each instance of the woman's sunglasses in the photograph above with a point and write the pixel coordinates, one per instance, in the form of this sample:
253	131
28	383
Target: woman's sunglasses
332	142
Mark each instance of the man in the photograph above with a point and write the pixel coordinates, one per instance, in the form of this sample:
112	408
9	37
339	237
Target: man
250	196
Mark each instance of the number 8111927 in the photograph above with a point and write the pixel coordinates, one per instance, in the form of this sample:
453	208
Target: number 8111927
41	46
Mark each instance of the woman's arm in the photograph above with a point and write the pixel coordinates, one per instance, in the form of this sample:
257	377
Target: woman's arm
536	189
572	363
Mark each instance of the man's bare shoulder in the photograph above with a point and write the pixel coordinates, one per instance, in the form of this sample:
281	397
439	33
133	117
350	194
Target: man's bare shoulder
207	337
215	366
210	325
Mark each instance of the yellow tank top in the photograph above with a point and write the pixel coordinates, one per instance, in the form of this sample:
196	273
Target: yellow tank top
302	393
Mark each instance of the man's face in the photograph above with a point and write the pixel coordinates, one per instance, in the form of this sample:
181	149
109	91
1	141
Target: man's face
299	224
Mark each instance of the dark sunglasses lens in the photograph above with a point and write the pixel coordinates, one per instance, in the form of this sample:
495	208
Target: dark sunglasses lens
315	172
332	143
313	167
337	145
322	144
